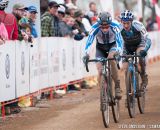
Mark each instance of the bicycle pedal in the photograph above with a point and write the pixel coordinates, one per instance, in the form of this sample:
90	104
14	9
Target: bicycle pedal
130	94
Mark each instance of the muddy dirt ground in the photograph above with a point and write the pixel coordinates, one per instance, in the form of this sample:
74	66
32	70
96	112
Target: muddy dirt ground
80	111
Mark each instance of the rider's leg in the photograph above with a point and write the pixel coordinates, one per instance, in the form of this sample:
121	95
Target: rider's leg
115	75
142	63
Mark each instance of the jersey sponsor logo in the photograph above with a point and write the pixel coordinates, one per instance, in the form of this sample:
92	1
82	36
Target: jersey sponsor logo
116	29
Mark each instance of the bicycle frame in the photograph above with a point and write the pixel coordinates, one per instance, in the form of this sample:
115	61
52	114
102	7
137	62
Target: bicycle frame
106	71
132	67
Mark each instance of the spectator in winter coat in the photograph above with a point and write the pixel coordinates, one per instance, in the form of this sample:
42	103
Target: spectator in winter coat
78	15
48	23
9	21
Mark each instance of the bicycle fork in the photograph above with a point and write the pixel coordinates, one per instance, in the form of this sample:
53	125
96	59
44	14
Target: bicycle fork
134	82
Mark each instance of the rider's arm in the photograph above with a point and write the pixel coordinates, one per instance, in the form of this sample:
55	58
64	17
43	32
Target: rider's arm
144	34
92	33
119	39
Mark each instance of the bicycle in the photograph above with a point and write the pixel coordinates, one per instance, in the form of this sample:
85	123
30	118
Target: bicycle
133	88
107	95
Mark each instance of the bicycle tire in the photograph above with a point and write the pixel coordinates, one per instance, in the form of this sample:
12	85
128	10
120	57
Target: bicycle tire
130	94
104	101
141	95
115	102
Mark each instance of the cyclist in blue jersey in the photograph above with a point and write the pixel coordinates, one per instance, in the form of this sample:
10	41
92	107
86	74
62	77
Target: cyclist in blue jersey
136	39
109	42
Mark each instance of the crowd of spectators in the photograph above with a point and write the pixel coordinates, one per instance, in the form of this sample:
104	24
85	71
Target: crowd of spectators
66	20
57	20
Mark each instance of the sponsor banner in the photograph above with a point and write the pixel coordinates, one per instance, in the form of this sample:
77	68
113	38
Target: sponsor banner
72	61
7	71
43	63
53	61
34	67
22	68
64	60
79	55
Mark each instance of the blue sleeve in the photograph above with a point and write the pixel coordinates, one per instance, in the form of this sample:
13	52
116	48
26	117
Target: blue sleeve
119	41
117	30
92	33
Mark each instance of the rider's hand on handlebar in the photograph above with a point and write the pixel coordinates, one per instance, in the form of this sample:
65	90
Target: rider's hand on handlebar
85	58
117	56
143	53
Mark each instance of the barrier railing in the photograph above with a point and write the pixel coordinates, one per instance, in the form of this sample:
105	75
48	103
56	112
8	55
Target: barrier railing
50	63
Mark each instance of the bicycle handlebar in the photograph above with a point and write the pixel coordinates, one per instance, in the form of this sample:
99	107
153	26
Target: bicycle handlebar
130	56
100	60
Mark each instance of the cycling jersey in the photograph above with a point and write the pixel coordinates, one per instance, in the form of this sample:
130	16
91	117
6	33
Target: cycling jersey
137	36
113	35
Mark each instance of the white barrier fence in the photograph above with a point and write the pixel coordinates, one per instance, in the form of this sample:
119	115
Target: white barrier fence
50	62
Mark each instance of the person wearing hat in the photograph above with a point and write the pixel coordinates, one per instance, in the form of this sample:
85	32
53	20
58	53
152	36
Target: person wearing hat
63	27
32	11
20	12
78	15
48	20
61	12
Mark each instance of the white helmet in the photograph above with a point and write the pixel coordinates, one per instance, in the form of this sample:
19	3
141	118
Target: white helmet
3	3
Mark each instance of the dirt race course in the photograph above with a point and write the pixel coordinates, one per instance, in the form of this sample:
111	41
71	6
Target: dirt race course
80	111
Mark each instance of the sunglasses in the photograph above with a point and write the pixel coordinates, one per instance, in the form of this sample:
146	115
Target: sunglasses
104	26
33	12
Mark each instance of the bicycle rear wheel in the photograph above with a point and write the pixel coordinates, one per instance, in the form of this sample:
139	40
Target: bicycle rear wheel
104	101
141	94
130	94
114	102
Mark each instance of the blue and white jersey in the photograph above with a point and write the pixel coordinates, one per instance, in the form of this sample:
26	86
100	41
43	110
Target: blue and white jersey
114	33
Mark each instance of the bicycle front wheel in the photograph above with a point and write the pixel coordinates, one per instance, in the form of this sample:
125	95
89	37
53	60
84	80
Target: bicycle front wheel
104	101
114	101
130	94
140	95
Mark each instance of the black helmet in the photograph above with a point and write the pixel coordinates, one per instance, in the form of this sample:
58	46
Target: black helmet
105	18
